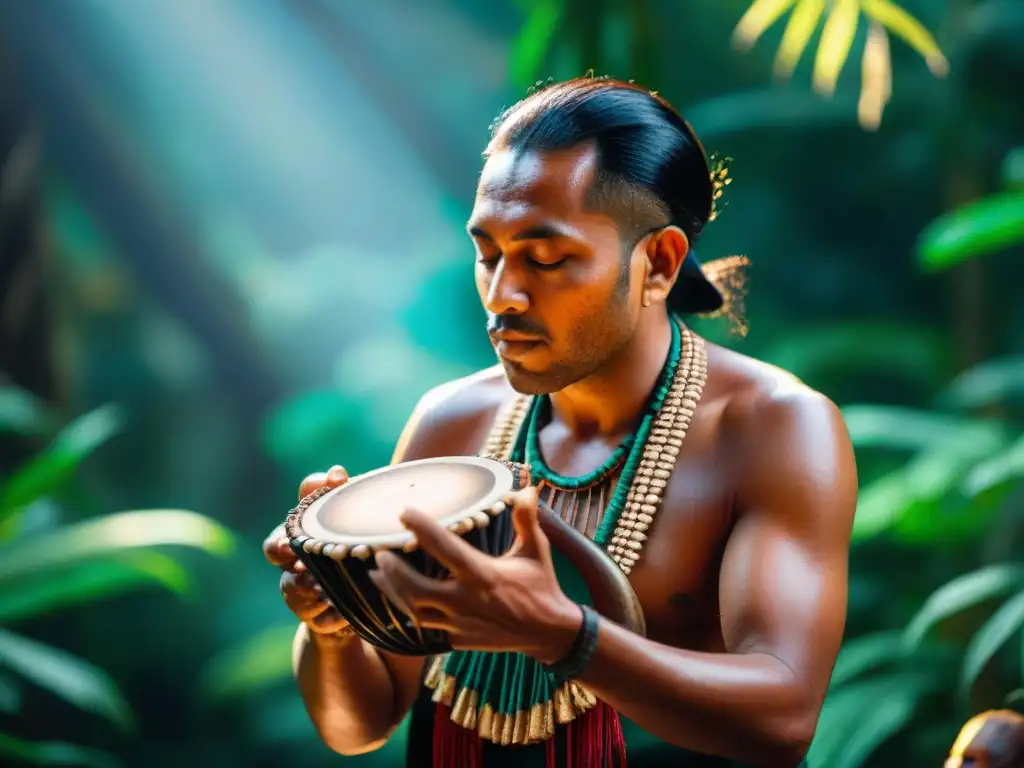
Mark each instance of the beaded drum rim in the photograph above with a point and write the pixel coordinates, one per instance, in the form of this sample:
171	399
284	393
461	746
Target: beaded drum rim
303	530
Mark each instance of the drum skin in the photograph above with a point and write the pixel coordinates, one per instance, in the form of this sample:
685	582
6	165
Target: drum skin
346	582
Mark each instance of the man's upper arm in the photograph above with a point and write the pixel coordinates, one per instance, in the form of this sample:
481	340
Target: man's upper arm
784	574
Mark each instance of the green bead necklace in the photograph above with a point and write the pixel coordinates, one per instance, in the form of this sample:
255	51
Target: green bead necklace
632	448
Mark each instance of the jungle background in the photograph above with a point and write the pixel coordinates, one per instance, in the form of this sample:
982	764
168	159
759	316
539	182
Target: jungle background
232	252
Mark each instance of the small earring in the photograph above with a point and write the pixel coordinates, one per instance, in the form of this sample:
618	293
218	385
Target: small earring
646	300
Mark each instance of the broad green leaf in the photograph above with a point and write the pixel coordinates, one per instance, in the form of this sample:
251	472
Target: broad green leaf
113	534
834	46
49	470
759	16
15	752
916	353
987	641
960	594
988	383
865	654
534	41
1005	467
912	31
801	26
1013	169
896	427
42	514
853	723
910	498
986	226
83	583
880	504
876	726
259	661
74	680
22	413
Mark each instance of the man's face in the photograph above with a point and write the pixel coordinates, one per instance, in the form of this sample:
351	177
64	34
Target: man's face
550	274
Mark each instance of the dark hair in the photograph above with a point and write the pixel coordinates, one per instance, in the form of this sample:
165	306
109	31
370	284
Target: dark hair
652	170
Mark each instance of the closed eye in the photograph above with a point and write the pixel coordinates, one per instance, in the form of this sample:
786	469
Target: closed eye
547	266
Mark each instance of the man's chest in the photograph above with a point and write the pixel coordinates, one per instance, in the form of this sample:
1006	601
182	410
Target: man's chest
676	577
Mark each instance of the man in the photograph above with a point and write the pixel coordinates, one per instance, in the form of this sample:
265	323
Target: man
590	200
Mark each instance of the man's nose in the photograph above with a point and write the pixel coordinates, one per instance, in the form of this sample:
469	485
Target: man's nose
507	292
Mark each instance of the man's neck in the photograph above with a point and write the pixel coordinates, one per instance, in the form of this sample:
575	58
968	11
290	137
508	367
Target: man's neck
609	402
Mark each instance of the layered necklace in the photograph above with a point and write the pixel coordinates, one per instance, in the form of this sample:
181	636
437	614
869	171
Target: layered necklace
615	503
509	698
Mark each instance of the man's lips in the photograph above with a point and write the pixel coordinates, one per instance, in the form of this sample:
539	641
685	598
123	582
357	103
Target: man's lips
514	337
510	345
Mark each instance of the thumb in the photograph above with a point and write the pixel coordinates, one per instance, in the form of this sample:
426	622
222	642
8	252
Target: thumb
531	539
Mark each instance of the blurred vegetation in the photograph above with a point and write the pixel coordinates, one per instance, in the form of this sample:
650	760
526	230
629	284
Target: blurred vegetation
252	239
51	563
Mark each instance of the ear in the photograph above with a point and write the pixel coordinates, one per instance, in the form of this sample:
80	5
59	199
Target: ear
666	249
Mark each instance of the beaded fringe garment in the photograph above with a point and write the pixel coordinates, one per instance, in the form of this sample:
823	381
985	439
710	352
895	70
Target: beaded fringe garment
544	704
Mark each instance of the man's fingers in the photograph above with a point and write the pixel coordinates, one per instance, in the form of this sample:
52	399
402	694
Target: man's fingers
277	550
302	584
280	553
305	608
410	590
310	483
452	551
332	478
303	595
328	622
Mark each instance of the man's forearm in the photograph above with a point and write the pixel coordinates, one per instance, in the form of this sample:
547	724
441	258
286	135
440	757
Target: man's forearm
746	707
347	689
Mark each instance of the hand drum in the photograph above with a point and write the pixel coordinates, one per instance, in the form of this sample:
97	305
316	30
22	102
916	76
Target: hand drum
336	532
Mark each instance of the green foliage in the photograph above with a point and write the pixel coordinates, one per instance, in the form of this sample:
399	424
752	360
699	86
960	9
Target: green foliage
957	652
959	595
831	352
50	469
71	565
992	382
20	752
76	681
531	47
924	497
250	666
986	226
21	413
884	680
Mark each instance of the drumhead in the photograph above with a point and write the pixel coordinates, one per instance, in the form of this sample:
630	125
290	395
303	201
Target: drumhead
366	510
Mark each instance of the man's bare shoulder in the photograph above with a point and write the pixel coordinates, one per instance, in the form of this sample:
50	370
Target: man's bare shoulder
757	395
454	418
789	435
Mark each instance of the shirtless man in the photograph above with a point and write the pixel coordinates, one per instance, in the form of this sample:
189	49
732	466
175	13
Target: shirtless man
591	196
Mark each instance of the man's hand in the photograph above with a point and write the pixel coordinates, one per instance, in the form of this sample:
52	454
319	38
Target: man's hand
507	603
302	594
